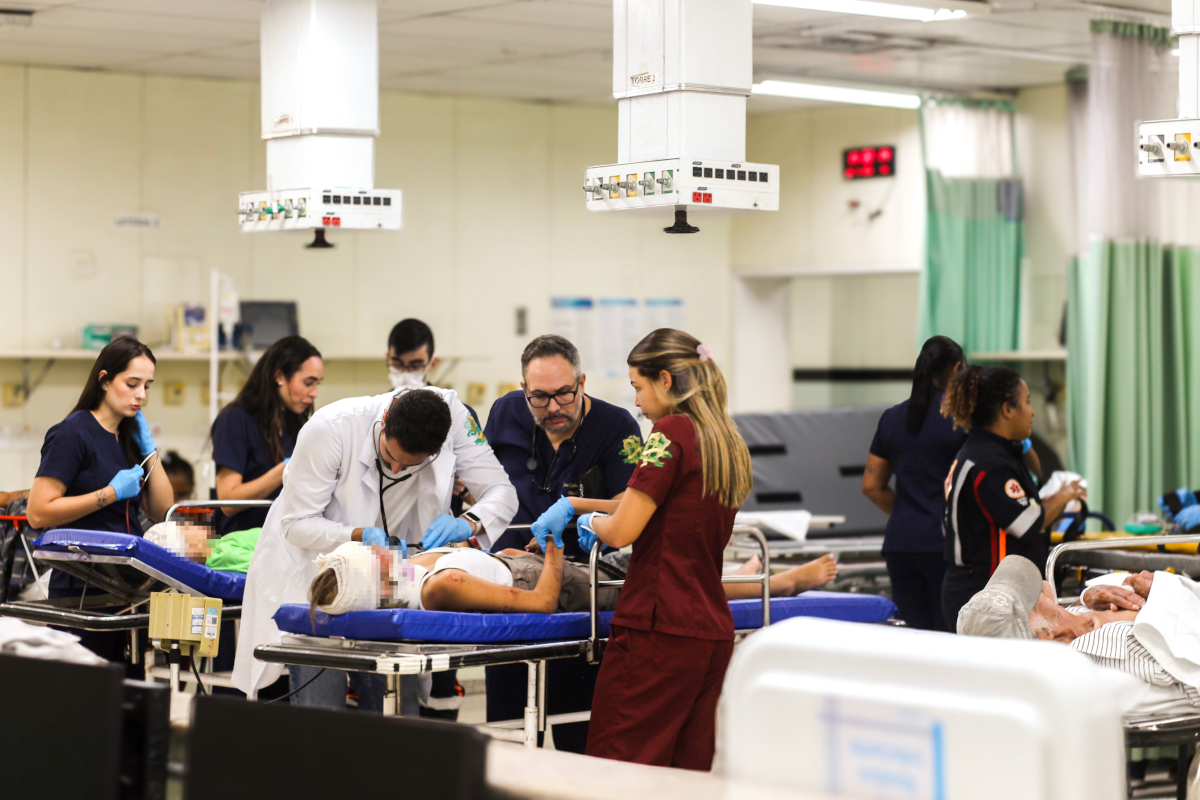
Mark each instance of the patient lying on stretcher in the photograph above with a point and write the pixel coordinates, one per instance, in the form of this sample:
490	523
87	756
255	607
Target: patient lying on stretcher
1147	628
356	577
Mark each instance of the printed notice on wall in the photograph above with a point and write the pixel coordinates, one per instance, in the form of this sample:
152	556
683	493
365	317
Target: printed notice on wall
575	319
618	330
664	312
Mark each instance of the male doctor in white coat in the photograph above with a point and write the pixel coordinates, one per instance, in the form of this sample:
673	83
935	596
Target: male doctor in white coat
407	445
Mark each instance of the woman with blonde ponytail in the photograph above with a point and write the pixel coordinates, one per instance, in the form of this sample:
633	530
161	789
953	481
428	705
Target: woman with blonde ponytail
672	633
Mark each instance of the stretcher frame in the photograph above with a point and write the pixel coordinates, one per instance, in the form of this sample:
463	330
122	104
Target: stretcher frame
101	571
396	659
1156	730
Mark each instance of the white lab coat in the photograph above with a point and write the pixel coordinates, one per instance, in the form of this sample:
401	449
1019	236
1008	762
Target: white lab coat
331	487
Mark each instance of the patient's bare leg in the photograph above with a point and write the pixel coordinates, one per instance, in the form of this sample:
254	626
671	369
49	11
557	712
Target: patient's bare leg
788	583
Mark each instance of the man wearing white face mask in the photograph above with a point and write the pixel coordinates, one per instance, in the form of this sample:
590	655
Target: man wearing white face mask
410	356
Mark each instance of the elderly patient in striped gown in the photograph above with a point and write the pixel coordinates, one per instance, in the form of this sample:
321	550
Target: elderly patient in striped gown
1147	626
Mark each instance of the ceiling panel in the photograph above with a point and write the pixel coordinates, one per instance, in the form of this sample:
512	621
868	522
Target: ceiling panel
561	49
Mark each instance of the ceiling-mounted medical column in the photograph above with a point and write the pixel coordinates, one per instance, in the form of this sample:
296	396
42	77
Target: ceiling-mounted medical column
1165	146
320	117
682	70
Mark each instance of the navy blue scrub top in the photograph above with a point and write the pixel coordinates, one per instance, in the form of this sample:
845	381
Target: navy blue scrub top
79	452
921	463
597	464
239	445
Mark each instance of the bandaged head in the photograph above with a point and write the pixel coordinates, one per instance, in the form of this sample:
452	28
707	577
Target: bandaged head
1001	610
356	568
168	535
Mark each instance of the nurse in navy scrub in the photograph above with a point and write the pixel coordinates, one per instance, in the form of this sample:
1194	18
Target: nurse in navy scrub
99	465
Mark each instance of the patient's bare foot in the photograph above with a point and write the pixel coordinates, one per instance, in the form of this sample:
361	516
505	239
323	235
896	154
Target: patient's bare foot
812	575
751	567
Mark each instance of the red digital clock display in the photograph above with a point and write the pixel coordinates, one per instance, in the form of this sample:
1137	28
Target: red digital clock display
869	162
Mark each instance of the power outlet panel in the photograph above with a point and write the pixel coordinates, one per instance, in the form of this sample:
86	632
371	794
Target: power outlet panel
300	209
683	181
1165	148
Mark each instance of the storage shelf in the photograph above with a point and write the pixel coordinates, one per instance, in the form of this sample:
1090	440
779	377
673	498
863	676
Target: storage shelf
1022	355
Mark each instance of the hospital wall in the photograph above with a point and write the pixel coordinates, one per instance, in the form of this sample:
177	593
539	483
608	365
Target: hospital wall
493	220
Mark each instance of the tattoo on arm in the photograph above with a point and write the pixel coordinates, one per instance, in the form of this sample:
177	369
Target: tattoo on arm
101	500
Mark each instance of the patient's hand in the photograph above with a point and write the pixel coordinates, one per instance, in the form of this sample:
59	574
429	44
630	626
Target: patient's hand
533	546
1141	583
1112	598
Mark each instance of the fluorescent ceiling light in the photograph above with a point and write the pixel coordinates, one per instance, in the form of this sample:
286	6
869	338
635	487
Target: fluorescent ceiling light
867	8
837	94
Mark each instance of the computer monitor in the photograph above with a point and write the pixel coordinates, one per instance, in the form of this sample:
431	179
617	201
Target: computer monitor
269	321
60	729
243	750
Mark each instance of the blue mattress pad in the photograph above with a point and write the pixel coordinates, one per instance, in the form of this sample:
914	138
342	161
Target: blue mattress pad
199	578
453	627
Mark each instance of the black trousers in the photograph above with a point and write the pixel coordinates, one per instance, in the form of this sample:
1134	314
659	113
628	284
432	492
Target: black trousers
958	587
917	588
570	683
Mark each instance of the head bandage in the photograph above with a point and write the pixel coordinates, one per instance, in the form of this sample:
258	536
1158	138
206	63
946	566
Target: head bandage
356	568
1002	609
168	535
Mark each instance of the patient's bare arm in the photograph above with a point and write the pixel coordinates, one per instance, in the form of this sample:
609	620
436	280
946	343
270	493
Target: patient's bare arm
1141	583
455	590
1112	598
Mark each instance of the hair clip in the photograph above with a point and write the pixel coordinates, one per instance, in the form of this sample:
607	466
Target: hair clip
705	352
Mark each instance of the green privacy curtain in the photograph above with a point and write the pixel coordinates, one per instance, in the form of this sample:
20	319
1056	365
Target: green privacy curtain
1133	368
971	281
974	244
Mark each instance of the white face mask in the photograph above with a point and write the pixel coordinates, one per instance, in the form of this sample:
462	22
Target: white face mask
407	380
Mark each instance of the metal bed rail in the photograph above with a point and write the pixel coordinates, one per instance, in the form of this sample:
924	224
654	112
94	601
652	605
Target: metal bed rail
1111	544
594	643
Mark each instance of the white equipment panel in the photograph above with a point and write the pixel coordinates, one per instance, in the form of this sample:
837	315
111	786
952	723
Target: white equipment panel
682	70
1165	148
298	209
873	711
682	181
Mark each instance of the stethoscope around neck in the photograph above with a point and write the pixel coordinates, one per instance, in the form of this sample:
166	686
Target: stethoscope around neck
533	464
392	540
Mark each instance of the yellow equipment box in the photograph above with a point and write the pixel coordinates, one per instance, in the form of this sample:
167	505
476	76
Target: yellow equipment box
190	621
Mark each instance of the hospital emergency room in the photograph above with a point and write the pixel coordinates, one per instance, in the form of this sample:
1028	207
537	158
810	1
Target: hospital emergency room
578	399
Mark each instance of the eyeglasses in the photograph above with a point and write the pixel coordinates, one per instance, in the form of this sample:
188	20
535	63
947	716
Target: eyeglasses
543	400
415	366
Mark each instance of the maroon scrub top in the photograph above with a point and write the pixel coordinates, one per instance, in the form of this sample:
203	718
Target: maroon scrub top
674	581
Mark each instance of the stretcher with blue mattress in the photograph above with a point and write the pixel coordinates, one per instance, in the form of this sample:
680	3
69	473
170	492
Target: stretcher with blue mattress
125	569
399	642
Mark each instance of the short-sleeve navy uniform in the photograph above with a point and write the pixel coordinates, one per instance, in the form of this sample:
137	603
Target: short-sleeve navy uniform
239	445
83	455
597	463
920	462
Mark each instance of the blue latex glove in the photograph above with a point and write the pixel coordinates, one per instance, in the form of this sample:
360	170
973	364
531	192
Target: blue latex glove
1186	498
446	530
1188	518
587	537
141	435
1026	446
375	537
553	520
128	482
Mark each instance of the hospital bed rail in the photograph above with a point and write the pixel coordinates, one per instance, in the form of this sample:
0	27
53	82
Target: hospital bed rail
212	505
595	646
1156	730
1109	544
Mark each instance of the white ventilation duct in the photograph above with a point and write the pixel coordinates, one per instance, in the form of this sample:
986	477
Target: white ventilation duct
682	70
320	117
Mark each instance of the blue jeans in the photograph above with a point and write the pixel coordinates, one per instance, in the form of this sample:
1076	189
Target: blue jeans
329	690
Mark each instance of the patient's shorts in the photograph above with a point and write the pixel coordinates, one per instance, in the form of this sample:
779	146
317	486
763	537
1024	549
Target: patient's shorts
527	568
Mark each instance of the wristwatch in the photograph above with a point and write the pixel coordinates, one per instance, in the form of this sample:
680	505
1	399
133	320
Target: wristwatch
472	517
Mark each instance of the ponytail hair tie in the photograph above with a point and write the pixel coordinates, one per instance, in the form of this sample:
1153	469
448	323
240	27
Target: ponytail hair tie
704	351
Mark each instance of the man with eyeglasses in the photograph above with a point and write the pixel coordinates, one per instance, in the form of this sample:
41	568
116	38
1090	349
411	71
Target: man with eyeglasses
555	441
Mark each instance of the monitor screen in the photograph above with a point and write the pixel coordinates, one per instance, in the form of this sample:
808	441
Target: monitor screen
311	752
269	321
61	730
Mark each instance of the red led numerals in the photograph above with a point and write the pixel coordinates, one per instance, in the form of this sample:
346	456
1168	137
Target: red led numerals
868	162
